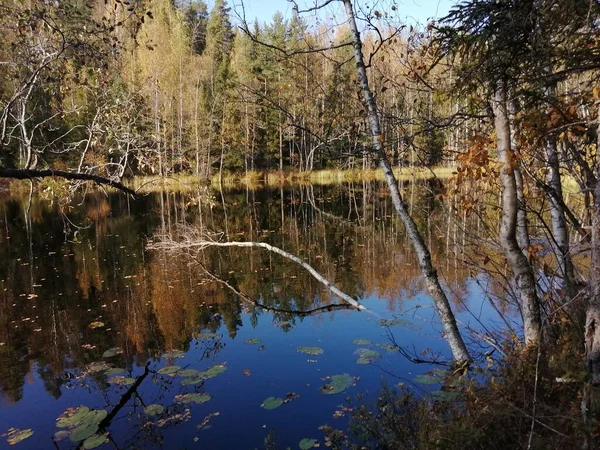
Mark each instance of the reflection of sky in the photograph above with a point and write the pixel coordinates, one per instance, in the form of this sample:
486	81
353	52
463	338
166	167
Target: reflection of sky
407	11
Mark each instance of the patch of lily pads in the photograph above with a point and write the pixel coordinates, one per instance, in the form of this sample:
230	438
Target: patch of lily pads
207	335
361	342
122	381
111	352
338	383
366	356
253	340
310	350
94	441
205	375
186	373
427	379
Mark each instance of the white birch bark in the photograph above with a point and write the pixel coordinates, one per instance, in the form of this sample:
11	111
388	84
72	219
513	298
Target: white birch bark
452	334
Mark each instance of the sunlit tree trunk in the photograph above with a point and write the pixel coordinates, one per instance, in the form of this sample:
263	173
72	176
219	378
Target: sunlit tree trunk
452	334
520	266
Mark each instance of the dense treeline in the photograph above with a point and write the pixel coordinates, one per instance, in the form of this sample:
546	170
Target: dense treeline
121	87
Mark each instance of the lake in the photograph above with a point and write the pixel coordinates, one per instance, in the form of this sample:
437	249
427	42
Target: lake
161	349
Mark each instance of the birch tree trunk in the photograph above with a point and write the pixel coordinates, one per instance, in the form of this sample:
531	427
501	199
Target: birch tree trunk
560	231
452	334
520	266
592	322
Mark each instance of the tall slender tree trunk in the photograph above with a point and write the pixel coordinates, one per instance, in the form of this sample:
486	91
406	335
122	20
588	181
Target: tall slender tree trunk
592	322
520	266
560	232
452	334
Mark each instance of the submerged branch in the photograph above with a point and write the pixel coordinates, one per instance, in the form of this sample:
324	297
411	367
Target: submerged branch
250	300
202	244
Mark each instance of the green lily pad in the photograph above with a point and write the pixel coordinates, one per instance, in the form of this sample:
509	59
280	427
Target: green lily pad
367	356
122	381
388	347
212	372
169	370
339	383
15	435
443	396
94	417
72	416
253	341
192	398
426	379
187	373
272	403
83	432
310	350
112	352
398	322
361	342
114	371
192	380
154	410
61	435
94	441
173	354
98	366
307	443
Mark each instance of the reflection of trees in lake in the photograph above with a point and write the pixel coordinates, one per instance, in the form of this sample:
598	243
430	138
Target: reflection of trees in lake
151	301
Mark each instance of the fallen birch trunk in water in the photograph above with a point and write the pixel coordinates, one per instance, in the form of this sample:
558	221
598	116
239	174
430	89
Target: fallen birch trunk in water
203	244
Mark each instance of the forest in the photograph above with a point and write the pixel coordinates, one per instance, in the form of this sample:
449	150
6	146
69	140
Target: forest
500	97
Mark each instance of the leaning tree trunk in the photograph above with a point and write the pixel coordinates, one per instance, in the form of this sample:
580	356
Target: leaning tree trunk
592	323
452	334
520	266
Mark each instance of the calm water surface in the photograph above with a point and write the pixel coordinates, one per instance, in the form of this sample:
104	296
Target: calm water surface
81	296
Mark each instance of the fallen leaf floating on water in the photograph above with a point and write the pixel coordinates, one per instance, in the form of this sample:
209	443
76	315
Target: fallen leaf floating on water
247	372
253	340
96	324
310	350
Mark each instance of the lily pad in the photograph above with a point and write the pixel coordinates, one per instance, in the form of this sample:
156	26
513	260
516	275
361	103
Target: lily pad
173	354
169	370
388	347
192	380
72	416
15	435
153	410
426	379
339	383
83	432
98	366
61	435
94	441
272	403
310	350
114	371
398	322
187	373
122	381
94	417
212	372
112	352
367	356
361	342
307	443
253	341
192	398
